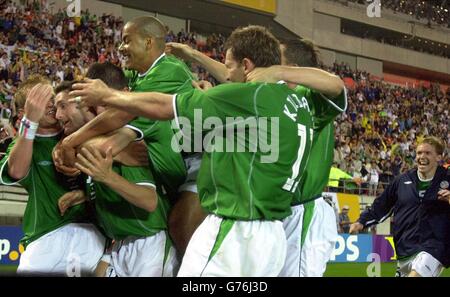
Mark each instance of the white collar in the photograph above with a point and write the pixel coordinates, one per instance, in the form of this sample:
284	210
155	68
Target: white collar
424	180
153	65
48	135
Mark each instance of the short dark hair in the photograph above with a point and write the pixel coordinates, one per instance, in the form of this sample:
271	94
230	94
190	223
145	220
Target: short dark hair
109	73
300	52
65	86
255	43
148	26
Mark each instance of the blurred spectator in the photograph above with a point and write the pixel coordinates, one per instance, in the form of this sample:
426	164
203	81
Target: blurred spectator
344	219
373	178
5	140
436	12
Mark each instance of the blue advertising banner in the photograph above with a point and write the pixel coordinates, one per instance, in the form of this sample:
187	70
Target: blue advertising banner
352	248
10	249
363	248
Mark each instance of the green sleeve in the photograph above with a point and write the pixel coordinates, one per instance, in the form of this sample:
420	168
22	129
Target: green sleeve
324	109
145	127
5	179
227	100
193	104
138	175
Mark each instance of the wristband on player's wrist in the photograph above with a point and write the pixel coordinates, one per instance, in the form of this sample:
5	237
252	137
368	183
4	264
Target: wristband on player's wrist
28	128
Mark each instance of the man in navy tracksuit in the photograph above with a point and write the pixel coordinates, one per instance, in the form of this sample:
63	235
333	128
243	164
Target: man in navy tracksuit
419	201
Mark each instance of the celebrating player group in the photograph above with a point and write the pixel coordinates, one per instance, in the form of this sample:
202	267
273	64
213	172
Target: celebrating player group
144	171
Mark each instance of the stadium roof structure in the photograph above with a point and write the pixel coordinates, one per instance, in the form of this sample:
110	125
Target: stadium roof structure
210	15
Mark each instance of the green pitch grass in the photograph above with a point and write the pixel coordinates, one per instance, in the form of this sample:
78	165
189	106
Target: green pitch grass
333	270
359	270
7	270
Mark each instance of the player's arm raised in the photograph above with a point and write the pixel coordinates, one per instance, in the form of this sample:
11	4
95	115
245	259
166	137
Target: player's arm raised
124	149
108	121
157	106
35	107
91	162
185	52
319	80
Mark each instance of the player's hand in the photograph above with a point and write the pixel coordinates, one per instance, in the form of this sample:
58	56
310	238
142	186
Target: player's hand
65	153
58	160
268	75
90	92
444	195
37	101
180	50
355	228
91	162
134	155
202	85
70	199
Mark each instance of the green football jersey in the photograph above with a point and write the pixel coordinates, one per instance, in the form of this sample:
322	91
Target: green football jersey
118	217
41	213
323	111
168	75
256	139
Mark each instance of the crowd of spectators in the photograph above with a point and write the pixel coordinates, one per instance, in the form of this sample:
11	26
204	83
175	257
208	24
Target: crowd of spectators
375	138
377	135
33	40
432	11
212	46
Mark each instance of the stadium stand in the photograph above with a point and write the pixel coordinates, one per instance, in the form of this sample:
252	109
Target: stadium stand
380	124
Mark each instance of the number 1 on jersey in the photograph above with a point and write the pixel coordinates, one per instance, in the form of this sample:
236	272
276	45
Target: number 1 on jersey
291	183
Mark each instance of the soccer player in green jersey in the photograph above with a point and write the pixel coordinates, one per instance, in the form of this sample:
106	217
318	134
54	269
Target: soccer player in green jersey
128	207
311	229
143	45
305	228
54	244
246	191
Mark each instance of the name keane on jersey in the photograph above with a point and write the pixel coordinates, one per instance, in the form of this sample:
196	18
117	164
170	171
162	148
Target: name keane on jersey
252	134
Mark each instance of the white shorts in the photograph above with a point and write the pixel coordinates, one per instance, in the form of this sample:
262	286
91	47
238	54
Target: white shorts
308	258
192	163
423	263
145	256
71	250
223	247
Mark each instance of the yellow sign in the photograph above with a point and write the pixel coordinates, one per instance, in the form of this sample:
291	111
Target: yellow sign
352	201
269	6
391	242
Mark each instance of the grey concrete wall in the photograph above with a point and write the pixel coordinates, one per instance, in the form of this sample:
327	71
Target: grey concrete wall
317	20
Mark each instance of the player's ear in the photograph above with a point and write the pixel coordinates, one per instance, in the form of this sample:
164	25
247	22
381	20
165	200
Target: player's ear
148	43
248	65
